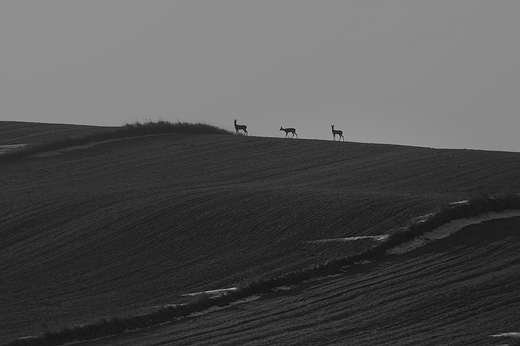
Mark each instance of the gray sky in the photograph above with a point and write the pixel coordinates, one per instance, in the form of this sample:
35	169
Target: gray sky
438	73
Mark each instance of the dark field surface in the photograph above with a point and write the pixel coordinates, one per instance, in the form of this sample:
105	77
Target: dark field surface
136	223
16	132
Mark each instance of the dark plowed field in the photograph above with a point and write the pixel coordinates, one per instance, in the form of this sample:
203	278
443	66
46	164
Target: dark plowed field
16	132
135	223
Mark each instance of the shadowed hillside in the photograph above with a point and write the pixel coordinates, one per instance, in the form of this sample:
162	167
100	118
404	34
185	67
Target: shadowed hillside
139	222
17	132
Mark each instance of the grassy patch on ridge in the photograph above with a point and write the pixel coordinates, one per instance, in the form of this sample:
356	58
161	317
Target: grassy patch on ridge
126	131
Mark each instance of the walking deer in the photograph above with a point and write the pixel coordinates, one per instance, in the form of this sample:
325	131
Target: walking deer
289	130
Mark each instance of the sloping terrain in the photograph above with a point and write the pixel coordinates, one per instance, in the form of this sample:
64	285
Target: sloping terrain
456	291
135	223
17	132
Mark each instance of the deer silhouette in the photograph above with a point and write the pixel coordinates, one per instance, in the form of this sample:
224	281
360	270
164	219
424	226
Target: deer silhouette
240	127
289	130
337	132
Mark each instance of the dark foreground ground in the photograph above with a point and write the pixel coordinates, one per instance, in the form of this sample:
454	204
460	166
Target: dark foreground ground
456	291
136	223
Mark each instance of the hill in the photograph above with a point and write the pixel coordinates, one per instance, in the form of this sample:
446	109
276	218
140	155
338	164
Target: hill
18	132
130	224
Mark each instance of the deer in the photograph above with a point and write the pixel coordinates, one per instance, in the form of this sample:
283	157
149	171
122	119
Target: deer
337	132
240	127
291	130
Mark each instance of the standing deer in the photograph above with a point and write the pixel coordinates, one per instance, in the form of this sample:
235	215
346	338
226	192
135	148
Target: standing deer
291	130
337	132
240	127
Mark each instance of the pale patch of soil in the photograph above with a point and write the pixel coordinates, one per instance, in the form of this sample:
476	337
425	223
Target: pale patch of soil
347	239
448	229
8	147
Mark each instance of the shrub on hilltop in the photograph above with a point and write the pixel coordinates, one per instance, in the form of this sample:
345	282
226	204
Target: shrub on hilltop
128	130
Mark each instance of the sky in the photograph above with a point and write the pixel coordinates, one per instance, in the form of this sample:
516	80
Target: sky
442	74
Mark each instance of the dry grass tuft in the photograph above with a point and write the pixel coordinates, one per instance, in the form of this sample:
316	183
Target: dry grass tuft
129	130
